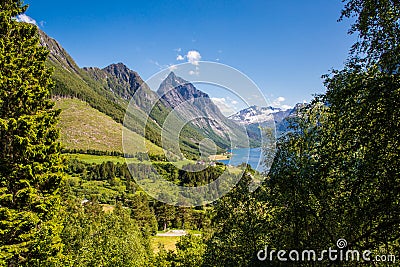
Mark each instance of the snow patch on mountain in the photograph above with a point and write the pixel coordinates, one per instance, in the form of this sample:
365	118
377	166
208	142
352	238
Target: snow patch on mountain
255	114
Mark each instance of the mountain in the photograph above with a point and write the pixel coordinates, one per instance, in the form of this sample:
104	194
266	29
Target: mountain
253	117
255	114
126	83
111	89
57	54
108	90
196	106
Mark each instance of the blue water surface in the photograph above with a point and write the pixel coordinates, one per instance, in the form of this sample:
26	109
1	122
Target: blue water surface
252	156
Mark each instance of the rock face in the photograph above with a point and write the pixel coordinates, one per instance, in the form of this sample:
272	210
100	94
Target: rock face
125	83
196	106
118	78
57	54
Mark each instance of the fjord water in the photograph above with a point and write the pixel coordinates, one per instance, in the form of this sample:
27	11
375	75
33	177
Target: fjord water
252	156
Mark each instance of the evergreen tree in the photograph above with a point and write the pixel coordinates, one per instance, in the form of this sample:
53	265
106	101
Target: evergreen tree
29	151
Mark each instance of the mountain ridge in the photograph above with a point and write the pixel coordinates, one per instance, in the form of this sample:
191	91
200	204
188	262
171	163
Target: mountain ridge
72	81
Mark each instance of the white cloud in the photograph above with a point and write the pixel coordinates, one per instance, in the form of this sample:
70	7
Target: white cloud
172	67
194	72
27	19
225	107
193	57
278	103
285	107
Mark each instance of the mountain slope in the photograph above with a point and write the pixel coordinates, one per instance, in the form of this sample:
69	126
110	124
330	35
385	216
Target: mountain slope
119	79
196	106
125	83
83	127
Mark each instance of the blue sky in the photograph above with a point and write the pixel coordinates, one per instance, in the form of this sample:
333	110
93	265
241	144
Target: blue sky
283	46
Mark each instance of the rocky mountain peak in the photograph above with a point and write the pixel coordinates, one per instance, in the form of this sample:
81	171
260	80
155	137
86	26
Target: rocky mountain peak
197	107
122	72
174	88
57	54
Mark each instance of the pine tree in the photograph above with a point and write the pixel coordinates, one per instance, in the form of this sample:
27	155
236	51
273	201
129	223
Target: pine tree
29	152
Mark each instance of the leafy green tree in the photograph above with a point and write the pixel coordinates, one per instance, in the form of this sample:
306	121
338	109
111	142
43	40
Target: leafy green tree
299	188
143	214
337	173
378	27
95	238
239	227
165	214
29	151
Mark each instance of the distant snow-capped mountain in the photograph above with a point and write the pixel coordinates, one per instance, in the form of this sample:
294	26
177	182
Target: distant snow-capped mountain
260	115
255	117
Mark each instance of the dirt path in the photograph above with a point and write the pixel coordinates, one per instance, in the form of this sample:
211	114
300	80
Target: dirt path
173	233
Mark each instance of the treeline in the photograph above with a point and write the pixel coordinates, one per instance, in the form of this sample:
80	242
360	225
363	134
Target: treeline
141	156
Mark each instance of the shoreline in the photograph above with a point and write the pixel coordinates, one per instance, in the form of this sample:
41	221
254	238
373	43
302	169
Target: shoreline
219	157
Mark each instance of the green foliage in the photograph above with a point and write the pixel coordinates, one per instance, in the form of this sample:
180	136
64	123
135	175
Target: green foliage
378	27
239	227
110	182
337	173
95	238
189	253
29	152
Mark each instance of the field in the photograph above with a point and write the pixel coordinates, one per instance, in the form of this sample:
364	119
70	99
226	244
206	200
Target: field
168	242
83	127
